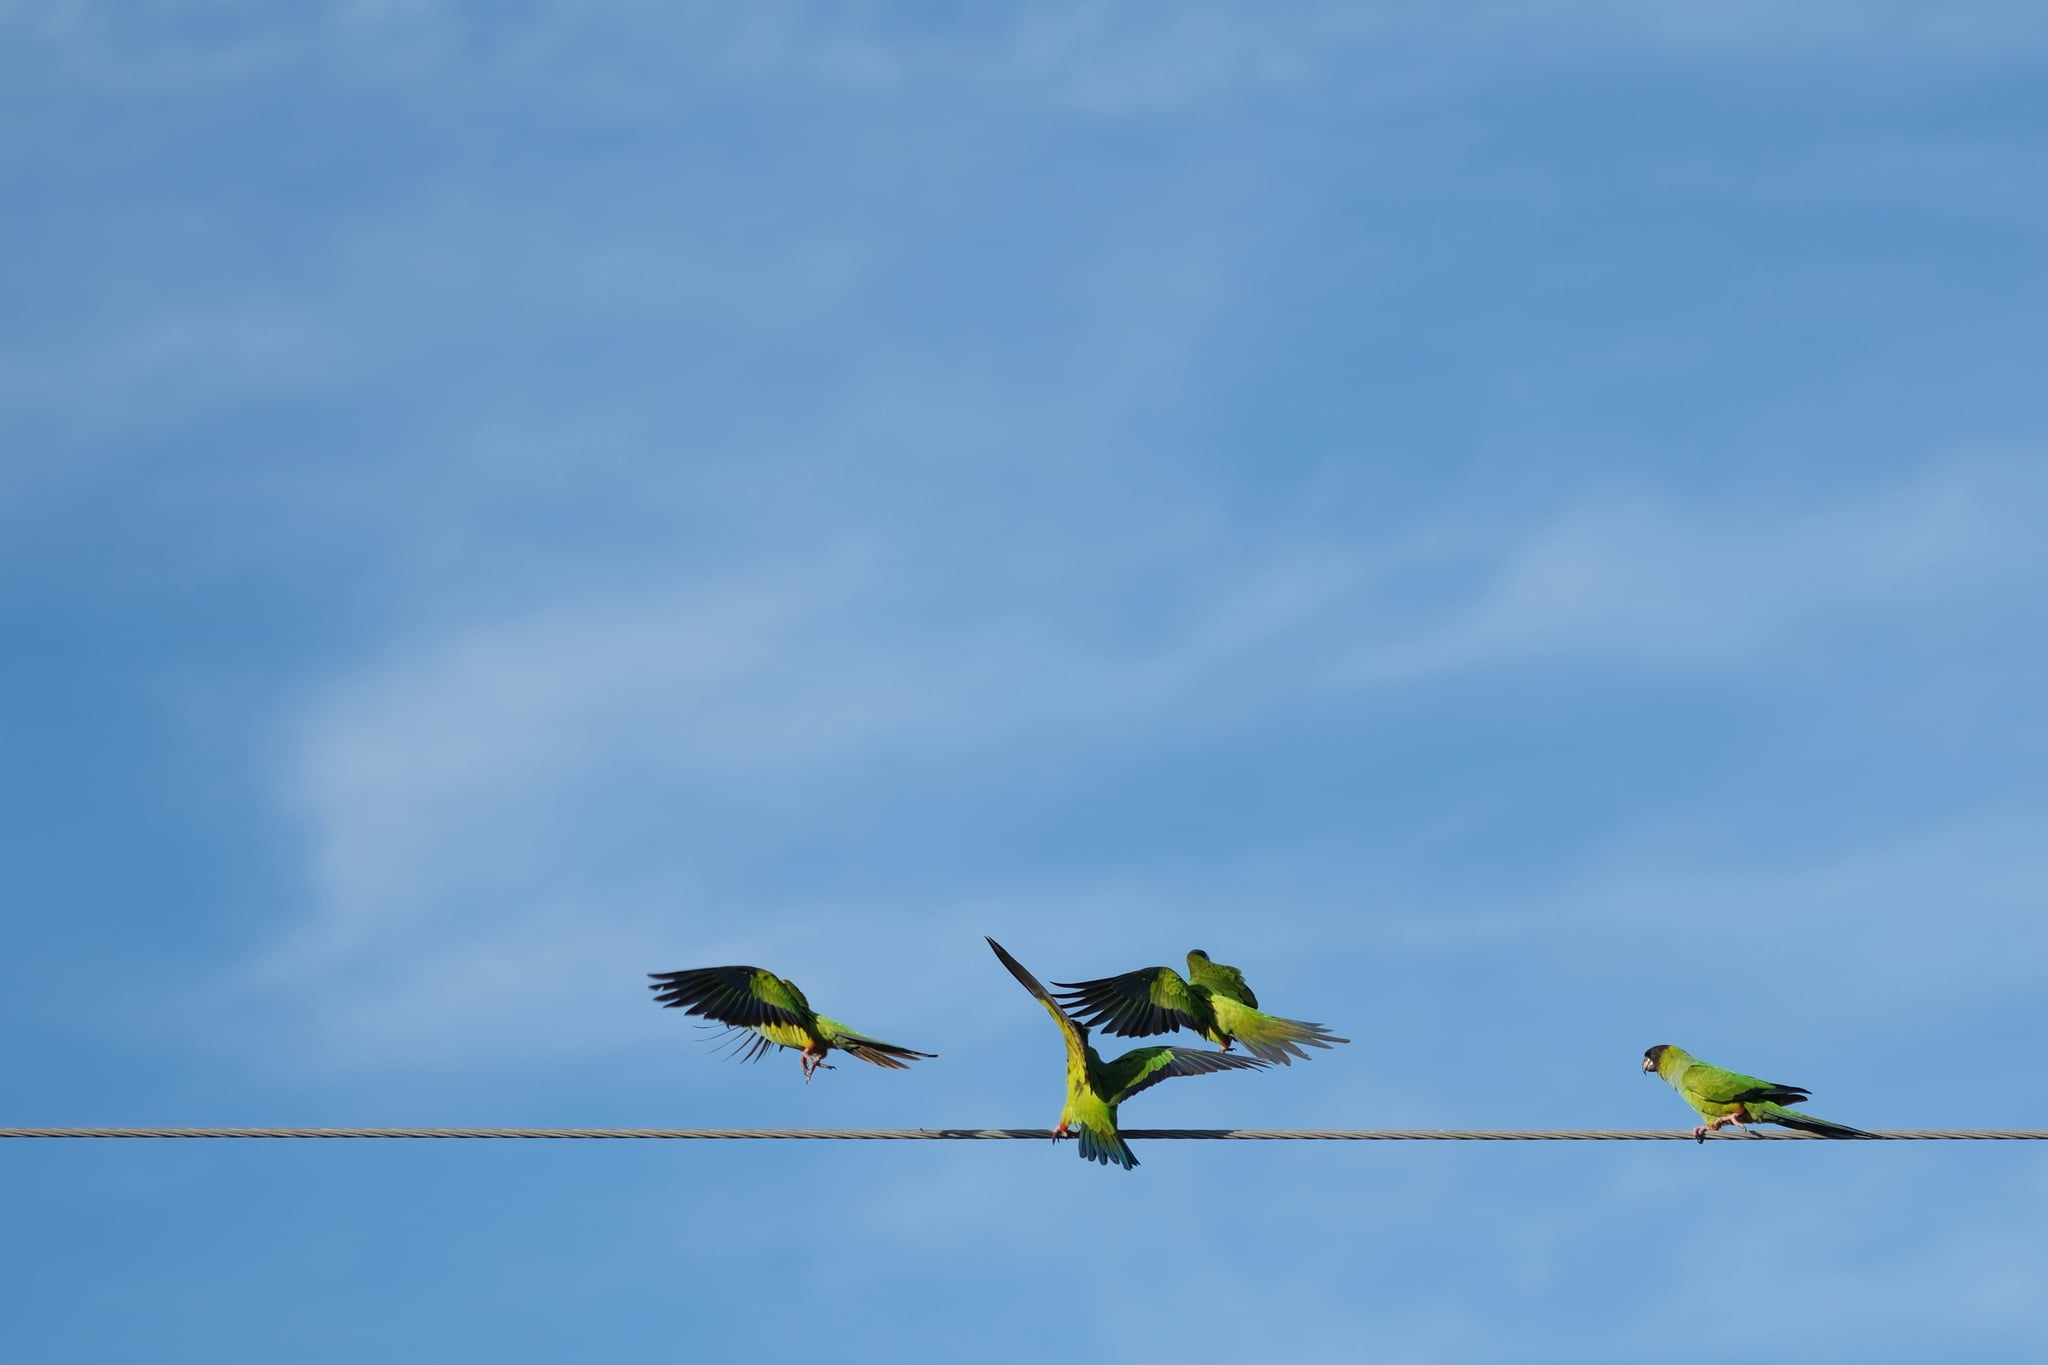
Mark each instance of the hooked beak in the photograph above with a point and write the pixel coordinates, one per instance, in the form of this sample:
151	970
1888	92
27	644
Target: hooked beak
1649	1065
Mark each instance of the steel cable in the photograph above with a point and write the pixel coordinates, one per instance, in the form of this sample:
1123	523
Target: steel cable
1018	1134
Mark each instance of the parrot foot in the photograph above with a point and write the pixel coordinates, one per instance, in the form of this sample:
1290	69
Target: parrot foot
1700	1133
1060	1130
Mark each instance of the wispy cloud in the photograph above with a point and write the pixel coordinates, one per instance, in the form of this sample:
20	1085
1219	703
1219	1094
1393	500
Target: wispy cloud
1939	918
1640	582
162	366
1073	56
540	787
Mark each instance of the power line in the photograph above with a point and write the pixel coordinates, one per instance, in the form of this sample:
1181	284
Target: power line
1017	1134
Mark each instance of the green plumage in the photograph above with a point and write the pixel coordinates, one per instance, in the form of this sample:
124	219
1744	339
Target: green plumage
1213	1001
1218	979
1729	1097
1095	1088
767	1011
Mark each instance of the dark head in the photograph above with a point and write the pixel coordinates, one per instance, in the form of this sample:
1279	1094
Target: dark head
1198	953
1653	1056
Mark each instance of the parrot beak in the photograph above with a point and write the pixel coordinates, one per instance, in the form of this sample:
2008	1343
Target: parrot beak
1649	1065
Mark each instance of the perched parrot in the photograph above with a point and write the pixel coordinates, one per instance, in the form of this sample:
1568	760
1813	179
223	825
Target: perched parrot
1095	1087
1731	1097
750	1000
1213	1001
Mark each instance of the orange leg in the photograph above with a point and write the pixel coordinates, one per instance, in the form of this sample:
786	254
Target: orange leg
1700	1133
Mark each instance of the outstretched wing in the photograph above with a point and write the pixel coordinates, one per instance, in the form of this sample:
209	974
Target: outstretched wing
1144	1067
1267	1035
749	1045
1134	1005
868	1049
1077	1046
745	997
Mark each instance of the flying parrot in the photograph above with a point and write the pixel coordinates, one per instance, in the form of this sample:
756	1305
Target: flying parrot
750	1000
1733	1098
1213	1001
1095	1087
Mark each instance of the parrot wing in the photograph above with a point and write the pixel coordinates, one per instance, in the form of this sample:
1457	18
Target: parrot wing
1227	982
1077	1046
1716	1085
1144	1067
744	997
1135	1004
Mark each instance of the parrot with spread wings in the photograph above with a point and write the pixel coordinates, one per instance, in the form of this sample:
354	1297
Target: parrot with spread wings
1095	1088
750	1001
1212	1000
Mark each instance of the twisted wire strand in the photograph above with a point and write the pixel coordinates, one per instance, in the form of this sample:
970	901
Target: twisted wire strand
1022	1134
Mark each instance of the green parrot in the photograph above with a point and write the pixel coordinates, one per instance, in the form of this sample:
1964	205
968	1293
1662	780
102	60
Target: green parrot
1213	1001
1733	1098
1095	1087
750	1000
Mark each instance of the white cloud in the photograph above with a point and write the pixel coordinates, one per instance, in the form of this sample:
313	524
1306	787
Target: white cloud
555	791
1640	582
159	367
1073	56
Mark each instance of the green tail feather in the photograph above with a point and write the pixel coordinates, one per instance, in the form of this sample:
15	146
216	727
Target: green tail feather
1269	1037
1764	1111
1109	1149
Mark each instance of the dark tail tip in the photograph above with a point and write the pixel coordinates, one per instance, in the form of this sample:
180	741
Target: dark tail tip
1823	1128
1111	1151
1024	978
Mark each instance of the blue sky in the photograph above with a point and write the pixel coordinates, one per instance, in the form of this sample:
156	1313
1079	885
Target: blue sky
1519	525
